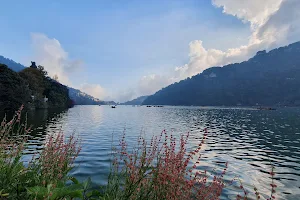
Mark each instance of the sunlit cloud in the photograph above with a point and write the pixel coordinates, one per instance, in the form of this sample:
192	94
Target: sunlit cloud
273	23
49	53
94	90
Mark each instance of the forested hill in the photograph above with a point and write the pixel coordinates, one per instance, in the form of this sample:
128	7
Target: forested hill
136	101
11	64
268	79
32	88
78	97
81	98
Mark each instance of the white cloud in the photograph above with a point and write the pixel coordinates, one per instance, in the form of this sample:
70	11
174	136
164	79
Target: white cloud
94	90
50	54
283	27
124	95
150	84
273	23
256	12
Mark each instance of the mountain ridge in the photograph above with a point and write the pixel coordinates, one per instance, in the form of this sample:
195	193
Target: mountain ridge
79	97
136	101
269	78
11	64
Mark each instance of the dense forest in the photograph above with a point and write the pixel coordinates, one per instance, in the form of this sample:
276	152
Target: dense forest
13	89
32	88
268	79
11	64
78	97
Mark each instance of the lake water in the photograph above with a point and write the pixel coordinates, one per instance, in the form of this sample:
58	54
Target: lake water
248	139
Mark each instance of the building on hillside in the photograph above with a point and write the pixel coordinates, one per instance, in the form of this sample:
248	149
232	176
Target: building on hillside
212	75
33	65
45	99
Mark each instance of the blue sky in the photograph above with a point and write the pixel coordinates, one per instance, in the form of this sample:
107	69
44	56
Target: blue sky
107	48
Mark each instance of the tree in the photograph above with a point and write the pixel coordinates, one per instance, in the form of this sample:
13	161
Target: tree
42	70
13	90
35	78
267	79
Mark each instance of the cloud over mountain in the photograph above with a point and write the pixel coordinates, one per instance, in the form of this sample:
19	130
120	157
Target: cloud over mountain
94	90
49	53
273	23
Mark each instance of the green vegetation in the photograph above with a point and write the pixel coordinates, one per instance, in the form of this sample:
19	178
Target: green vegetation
160	169
29	87
12	64
268	79
52	89
45	176
13	89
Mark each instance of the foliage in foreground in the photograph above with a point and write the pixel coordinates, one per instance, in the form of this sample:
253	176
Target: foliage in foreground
160	169
45	175
29	87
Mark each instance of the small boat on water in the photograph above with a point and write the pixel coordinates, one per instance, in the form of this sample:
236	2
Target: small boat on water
113	106
266	108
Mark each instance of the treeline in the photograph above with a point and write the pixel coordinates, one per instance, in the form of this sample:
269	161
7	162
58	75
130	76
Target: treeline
136	101
81	98
268	79
11	64
32	88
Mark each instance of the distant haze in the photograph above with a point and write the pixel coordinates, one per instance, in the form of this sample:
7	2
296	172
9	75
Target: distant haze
117	51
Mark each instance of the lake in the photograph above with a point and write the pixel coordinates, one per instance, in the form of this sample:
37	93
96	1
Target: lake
250	140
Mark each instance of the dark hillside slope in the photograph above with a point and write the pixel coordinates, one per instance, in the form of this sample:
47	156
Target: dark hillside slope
268	79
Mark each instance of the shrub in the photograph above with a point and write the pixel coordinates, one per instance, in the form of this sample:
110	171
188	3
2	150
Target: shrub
165	169
46	175
13	175
161	170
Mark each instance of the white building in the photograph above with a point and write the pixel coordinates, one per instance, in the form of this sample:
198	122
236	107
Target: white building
45	99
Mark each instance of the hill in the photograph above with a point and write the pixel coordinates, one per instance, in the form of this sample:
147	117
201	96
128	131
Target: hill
32	88
81	98
78	97
13	89
11	64
137	101
268	79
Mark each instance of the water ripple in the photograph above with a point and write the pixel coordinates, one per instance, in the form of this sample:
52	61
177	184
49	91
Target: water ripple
250	140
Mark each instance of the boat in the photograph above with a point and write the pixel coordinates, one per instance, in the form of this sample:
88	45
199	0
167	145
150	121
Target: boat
266	108
113	106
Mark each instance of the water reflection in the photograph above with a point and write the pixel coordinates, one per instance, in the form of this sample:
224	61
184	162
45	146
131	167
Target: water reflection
248	139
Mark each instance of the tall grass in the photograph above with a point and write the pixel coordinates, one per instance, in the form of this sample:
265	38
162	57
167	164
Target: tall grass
44	174
162	168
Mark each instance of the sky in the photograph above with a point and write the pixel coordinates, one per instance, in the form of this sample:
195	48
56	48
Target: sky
119	50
